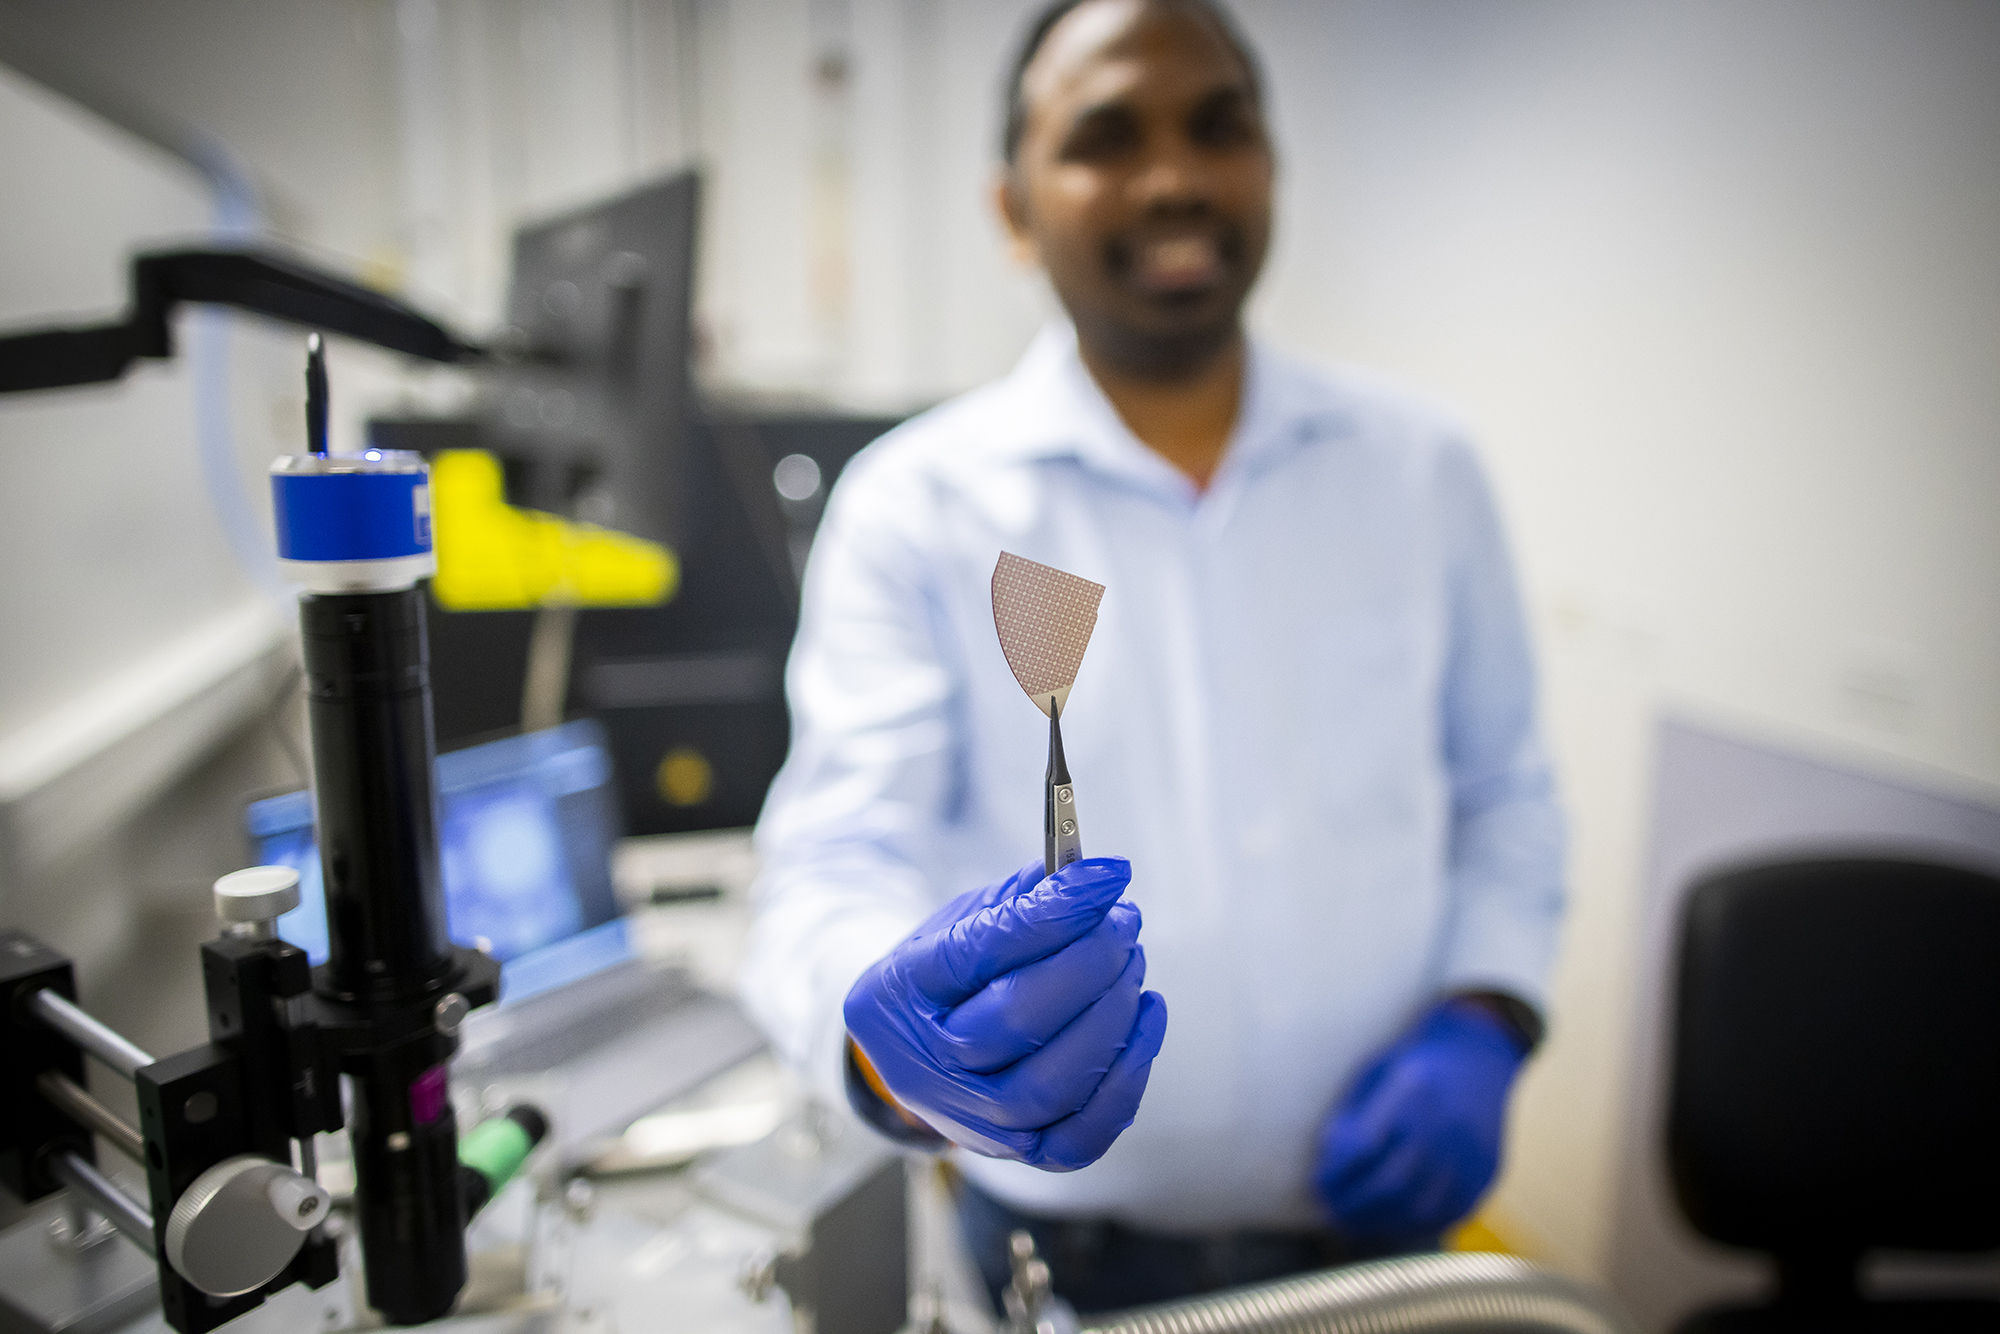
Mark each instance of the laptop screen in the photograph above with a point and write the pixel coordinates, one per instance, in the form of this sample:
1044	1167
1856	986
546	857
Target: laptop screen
525	828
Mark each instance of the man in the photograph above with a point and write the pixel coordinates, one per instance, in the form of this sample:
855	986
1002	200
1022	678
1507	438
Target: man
1306	716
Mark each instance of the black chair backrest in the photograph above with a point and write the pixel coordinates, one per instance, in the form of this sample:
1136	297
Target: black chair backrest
1836	1060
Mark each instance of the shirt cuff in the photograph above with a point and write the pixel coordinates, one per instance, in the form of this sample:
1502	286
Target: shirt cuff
1517	1016
880	1112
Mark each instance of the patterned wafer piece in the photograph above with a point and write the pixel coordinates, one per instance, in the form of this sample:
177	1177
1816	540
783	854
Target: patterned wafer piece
1045	618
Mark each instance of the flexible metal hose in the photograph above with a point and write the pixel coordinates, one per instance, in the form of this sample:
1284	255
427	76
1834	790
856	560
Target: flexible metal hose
1424	1294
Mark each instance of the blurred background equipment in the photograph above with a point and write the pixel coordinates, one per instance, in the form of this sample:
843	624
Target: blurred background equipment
604	546
262	283
526	825
589	416
690	692
1836	1081
589	404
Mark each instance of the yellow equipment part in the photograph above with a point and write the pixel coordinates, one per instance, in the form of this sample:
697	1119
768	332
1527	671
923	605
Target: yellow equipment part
492	556
685	777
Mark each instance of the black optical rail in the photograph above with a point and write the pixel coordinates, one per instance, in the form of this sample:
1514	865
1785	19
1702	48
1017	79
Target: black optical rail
261	281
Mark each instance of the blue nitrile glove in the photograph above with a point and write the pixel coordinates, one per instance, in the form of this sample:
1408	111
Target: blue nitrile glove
1417	1139
1013	1021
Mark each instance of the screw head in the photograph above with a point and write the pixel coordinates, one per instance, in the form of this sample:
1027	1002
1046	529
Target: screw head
297	1200
1062	795
1069	827
450	1013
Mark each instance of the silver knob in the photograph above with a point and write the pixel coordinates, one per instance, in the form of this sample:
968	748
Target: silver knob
257	894
238	1224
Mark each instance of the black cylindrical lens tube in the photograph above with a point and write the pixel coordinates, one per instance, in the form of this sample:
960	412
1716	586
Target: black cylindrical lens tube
390	959
374	761
407	1192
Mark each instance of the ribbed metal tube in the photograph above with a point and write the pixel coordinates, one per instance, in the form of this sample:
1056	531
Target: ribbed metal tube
1425	1294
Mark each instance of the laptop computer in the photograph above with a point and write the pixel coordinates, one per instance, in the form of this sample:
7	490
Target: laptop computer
584	1027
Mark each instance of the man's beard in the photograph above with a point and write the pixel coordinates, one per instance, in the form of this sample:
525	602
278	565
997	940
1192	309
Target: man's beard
1162	354
1181	332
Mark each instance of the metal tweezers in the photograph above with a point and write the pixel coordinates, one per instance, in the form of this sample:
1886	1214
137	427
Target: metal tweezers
1062	841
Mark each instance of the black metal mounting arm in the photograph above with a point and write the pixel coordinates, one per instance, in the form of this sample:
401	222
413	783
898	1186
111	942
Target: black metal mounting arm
252	280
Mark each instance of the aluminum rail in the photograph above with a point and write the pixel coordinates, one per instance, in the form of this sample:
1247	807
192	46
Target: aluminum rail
106	1044
101	1193
1423	1294
77	1103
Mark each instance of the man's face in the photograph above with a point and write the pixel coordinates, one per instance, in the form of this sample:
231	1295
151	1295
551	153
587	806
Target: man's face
1142	182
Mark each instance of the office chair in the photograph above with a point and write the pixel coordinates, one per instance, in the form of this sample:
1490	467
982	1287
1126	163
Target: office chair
1836	1081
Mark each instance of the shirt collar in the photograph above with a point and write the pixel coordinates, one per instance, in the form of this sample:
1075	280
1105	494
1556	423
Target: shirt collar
1055	409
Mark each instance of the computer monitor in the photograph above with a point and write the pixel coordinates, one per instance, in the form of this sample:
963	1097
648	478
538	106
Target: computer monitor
593	415
525	831
588	402
695	688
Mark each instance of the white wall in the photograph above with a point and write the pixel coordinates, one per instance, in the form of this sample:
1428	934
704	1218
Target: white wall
1718	283
85	509
135	639
306	92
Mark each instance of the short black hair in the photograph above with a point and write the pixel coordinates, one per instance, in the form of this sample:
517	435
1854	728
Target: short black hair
1015	123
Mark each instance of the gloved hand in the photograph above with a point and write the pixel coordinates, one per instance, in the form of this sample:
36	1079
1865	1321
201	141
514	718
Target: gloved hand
1013	1021
1417	1139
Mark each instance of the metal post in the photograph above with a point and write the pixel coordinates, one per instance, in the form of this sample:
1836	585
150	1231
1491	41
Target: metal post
106	1044
102	1194
67	1094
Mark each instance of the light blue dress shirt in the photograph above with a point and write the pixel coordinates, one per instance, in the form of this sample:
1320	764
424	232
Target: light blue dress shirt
1307	716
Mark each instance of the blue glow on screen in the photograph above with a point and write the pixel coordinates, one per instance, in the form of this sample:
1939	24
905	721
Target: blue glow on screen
305	925
506	875
567	960
505	878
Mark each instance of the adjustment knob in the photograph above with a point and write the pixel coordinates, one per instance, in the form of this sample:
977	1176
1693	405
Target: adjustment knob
257	894
238	1224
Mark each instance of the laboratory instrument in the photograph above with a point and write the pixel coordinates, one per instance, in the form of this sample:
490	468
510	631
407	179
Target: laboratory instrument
228	1130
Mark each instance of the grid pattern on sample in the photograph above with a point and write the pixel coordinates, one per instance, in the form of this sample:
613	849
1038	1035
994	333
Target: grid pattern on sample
1045	617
